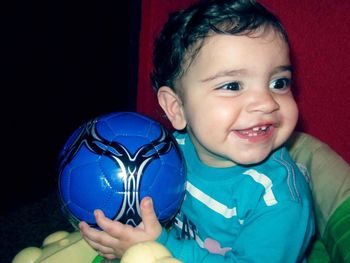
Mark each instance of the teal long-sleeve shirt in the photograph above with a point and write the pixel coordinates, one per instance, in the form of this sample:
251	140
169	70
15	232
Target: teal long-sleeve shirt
259	213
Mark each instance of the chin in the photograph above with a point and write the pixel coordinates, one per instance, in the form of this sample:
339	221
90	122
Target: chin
252	159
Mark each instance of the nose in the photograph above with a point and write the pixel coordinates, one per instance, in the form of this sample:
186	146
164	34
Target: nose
263	102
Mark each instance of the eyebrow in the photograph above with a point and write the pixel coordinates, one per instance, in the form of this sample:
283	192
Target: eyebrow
283	68
233	73
225	73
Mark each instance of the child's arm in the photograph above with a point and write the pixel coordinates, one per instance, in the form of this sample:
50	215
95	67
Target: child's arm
116	237
271	235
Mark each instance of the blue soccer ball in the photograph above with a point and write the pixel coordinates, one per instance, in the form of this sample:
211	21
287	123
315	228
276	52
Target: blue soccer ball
115	160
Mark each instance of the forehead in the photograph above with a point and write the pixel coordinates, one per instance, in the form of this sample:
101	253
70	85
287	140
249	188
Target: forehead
267	47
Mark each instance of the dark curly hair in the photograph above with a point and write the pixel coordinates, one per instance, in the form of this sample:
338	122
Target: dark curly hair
182	35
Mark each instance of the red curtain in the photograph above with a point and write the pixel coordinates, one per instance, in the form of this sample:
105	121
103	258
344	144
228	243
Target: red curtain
320	42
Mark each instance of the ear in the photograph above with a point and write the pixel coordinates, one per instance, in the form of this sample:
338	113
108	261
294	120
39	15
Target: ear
172	106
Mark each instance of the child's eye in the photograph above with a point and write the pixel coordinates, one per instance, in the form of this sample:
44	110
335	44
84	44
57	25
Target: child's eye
280	84
234	86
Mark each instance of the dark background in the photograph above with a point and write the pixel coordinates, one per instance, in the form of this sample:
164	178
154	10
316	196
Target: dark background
63	62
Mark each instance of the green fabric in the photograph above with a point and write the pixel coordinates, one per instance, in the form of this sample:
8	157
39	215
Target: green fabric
337	234
98	259
318	253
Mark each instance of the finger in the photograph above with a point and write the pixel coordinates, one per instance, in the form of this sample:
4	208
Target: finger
104	250
100	248
82	226
113	228
93	244
110	256
93	235
101	241
108	245
87	230
149	217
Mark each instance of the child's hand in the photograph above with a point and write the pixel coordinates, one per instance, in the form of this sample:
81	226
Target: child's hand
116	237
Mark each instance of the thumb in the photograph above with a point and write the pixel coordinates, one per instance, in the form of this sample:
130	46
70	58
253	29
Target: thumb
149	217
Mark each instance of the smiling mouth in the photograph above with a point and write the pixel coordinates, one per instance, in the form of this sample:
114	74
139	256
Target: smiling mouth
255	131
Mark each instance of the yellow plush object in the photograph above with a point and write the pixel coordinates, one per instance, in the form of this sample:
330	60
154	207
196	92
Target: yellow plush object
167	260
58	247
148	252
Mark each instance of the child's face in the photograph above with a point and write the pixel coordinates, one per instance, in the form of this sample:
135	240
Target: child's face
236	98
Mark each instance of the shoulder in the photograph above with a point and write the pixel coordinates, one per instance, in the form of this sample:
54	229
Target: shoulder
280	163
287	181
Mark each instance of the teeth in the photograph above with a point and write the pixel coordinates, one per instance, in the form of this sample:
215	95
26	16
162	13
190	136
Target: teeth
262	128
255	131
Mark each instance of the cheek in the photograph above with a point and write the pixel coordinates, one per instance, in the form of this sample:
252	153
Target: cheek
291	112
211	113
199	117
